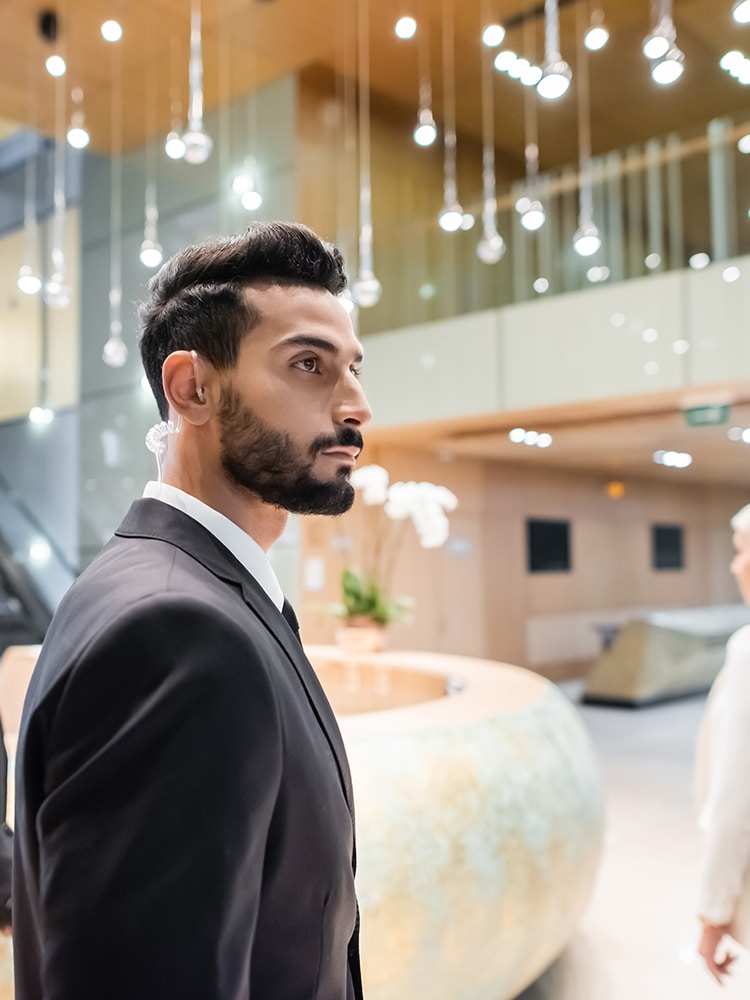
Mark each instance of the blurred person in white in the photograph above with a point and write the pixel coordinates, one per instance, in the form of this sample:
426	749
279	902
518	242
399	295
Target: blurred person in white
723	787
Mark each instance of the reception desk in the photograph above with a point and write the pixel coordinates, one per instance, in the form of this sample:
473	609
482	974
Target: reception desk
479	817
479	820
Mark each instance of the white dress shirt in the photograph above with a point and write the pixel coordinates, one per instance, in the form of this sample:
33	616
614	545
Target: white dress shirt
244	548
723	771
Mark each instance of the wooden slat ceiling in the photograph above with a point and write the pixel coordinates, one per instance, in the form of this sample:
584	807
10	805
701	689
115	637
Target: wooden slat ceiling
250	42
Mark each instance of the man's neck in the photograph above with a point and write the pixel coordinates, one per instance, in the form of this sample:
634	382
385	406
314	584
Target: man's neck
263	522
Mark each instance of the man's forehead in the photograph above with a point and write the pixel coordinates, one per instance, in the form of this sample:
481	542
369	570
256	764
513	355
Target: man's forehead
288	313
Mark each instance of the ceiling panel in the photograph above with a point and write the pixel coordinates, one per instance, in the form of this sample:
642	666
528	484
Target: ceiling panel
249	42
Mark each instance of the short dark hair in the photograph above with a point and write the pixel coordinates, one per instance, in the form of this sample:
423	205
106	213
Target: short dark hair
196	300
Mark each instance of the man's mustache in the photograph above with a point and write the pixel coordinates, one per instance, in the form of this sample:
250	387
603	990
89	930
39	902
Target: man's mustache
347	437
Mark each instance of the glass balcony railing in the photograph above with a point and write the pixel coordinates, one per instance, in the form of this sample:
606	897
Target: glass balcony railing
668	204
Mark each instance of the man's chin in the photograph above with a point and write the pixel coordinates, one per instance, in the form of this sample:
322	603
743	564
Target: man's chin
327	497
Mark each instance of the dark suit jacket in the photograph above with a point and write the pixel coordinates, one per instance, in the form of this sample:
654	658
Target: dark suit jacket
6	841
184	823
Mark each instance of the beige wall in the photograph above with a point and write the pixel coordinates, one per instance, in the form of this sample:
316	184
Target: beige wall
475	597
21	324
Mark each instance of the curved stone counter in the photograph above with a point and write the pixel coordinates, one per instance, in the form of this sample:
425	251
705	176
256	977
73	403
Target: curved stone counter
479	820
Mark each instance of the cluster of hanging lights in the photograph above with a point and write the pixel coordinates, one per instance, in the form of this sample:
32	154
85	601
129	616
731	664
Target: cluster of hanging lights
660	45
551	80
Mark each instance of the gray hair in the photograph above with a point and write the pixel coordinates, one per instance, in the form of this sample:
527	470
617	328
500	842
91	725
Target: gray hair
741	520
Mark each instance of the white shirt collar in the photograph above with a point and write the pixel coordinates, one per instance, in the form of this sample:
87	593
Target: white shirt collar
240	544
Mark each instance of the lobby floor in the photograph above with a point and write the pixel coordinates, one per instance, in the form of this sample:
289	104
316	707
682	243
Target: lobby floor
637	938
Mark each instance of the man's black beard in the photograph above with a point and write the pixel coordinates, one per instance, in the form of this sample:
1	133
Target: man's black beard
266	462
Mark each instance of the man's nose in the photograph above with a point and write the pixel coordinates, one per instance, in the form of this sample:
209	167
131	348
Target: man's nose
353	407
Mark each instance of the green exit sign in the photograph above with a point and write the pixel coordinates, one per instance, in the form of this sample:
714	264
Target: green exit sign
707	416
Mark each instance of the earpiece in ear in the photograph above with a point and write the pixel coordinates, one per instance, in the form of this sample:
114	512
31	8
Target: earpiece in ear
198	387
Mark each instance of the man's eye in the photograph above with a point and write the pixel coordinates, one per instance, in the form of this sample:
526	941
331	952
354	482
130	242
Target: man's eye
308	364
356	371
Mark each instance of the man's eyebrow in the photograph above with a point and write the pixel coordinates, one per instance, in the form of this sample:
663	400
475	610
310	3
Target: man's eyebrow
309	340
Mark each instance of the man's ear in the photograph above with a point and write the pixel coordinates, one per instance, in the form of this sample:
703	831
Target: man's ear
185	395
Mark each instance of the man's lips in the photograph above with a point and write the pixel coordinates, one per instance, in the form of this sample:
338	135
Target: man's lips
340	452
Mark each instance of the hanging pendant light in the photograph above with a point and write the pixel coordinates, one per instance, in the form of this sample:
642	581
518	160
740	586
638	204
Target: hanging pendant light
198	144
452	216
491	247
426	131
366	289
662	36
246	182
78	136
586	240
115	351
29	280
151	253
660	45
530	207
596	36
57	293
669	68
174	147
556	74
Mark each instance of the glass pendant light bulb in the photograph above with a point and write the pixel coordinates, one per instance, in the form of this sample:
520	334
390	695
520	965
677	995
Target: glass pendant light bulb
56	294
491	248
426	131
406	27
198	145
366	290
493	35
152	253
596	37
41	415
347	302
555	80
115	352
504	60
741	12
78	137
174	147
55	65
669	68
111	31
657	43
586	240
251	200
531	75
245	184
28	281
451	217
534	217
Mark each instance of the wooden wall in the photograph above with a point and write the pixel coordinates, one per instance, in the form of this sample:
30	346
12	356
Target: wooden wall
475	596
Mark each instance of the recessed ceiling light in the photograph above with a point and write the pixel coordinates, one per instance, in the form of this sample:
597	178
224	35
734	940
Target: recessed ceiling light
111	31
406	27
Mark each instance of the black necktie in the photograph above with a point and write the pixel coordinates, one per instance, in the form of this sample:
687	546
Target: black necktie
291	618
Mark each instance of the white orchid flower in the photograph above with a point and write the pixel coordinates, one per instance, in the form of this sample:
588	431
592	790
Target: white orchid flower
372	481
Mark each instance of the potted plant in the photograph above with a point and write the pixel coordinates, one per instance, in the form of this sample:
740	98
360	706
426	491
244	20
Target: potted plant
367	603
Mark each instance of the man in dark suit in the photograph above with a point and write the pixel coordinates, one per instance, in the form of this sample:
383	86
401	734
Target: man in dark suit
184	810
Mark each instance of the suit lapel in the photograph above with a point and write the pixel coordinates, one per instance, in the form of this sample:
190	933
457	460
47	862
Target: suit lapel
149	518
